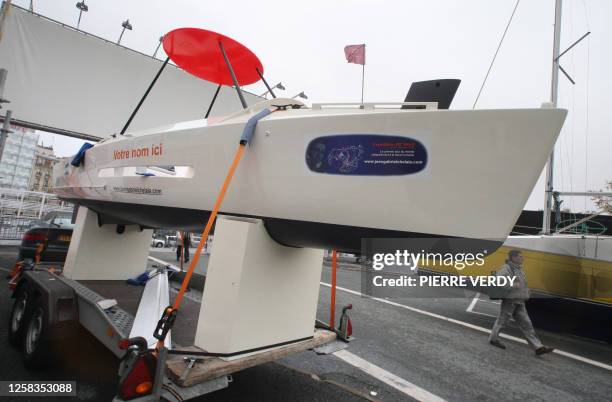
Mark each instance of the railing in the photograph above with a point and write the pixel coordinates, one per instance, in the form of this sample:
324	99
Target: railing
13	228
376	105
19	209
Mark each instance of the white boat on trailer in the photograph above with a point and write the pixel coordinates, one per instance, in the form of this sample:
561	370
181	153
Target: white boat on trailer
326	176
319	177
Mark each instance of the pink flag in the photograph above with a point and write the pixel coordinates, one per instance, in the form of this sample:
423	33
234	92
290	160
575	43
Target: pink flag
355	54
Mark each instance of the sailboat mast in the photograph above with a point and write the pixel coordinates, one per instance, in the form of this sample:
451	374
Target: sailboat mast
554	92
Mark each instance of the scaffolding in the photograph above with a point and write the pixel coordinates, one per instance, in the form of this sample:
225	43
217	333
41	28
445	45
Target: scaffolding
20	208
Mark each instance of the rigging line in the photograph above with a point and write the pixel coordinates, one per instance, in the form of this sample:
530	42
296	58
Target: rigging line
586	134
571	147
588	84
572	201
573	131
586	15
496	52
561	149
571	152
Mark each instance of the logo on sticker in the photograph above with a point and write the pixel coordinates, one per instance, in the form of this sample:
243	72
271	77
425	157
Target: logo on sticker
366	155
345	159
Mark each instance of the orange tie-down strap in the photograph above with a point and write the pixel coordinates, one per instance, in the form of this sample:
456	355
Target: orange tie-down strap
165	323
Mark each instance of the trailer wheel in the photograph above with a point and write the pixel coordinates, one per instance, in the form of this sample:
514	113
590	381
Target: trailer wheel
17	318
35	346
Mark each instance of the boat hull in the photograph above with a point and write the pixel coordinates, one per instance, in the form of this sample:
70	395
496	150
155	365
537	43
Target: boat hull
477	169
288	232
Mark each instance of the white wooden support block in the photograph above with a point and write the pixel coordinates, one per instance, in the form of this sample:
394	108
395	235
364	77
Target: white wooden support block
100	253
257	292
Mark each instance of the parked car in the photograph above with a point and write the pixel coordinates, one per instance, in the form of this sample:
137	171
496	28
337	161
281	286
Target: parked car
158	242
55	219
170	241
55	228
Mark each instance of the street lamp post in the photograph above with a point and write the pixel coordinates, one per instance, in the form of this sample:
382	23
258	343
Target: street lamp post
126	25
277	86
161	38
83	8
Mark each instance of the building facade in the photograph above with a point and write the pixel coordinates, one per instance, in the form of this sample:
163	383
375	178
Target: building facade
17	159
42	171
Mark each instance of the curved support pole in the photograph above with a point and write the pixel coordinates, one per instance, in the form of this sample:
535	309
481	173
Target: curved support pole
233	74
127	124
213	101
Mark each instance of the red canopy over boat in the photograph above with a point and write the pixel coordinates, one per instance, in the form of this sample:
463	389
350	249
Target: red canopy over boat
199	52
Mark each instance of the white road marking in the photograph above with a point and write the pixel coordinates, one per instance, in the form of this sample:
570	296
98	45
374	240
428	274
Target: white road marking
473	303
472	326
479	313
162	250
470	308
388	378
5	269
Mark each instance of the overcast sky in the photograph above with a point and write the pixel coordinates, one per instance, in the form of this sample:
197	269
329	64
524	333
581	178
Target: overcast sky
301	44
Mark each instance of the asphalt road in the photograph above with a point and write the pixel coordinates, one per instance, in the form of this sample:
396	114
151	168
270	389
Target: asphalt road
428	341
457	363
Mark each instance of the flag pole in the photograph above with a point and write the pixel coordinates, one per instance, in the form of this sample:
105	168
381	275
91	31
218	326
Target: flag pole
362	73
362	77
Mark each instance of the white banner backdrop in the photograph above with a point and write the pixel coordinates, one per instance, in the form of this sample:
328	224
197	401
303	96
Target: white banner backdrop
68	80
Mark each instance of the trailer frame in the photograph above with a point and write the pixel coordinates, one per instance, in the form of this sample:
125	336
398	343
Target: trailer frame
183	374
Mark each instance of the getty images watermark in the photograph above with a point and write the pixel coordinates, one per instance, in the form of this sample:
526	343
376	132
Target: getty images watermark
415	268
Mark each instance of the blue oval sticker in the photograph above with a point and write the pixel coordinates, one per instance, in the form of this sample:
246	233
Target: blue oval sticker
366	155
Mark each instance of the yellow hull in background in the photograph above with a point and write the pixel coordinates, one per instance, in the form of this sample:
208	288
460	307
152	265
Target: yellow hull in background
567	266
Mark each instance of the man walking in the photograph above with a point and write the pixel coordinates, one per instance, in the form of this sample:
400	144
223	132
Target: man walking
186	245
179	245
183	242
513	305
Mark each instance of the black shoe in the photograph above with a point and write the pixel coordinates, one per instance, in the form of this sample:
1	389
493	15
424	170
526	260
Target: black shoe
543	350
497	344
